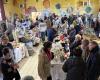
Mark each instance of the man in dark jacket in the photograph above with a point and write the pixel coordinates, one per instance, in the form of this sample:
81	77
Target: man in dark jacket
93	62
76	43
75	66
97	28
72	34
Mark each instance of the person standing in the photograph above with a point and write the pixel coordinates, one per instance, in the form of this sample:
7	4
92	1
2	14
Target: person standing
97	28
5	43
51	33
42	29
45	58
93	62
75	66
76	43
9	69
85	49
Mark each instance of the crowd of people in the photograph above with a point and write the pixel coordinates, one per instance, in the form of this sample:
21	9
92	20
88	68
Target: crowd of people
83	63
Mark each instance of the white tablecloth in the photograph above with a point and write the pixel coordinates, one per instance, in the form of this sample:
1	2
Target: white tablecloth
56	71
20	52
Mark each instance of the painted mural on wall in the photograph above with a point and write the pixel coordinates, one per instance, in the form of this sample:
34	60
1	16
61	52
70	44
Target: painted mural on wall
58	6
30	9
46	4
88	9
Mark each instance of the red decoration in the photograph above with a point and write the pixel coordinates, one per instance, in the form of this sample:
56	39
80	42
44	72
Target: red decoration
62	37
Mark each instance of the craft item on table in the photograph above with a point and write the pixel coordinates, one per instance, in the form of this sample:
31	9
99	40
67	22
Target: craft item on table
57	62
24	50
57	39
27	36
29	46
22	47
57	49
62	37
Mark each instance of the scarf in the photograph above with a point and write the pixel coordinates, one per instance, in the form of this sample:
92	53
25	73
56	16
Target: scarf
49	55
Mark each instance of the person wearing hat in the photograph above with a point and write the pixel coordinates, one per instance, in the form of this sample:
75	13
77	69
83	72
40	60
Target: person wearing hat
45	58
75	66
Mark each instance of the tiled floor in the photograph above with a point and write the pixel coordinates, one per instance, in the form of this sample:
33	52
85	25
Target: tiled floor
29	65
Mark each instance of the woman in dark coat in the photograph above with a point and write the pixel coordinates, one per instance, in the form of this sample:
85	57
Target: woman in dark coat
75	66
93	62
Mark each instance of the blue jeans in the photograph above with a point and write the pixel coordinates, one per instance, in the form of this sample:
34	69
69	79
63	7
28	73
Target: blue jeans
43	36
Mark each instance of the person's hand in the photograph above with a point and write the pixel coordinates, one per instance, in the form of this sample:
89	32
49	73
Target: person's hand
15	66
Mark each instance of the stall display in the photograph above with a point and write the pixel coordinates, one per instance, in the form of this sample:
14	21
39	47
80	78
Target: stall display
59	58
20	51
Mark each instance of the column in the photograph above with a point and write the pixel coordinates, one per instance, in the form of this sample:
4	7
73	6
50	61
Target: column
2	10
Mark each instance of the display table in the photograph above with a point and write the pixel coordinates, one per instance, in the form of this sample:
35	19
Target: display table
20	51
56	64
56	70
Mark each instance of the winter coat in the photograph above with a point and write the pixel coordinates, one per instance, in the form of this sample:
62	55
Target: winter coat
43	65
93	64
73	46
75	68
